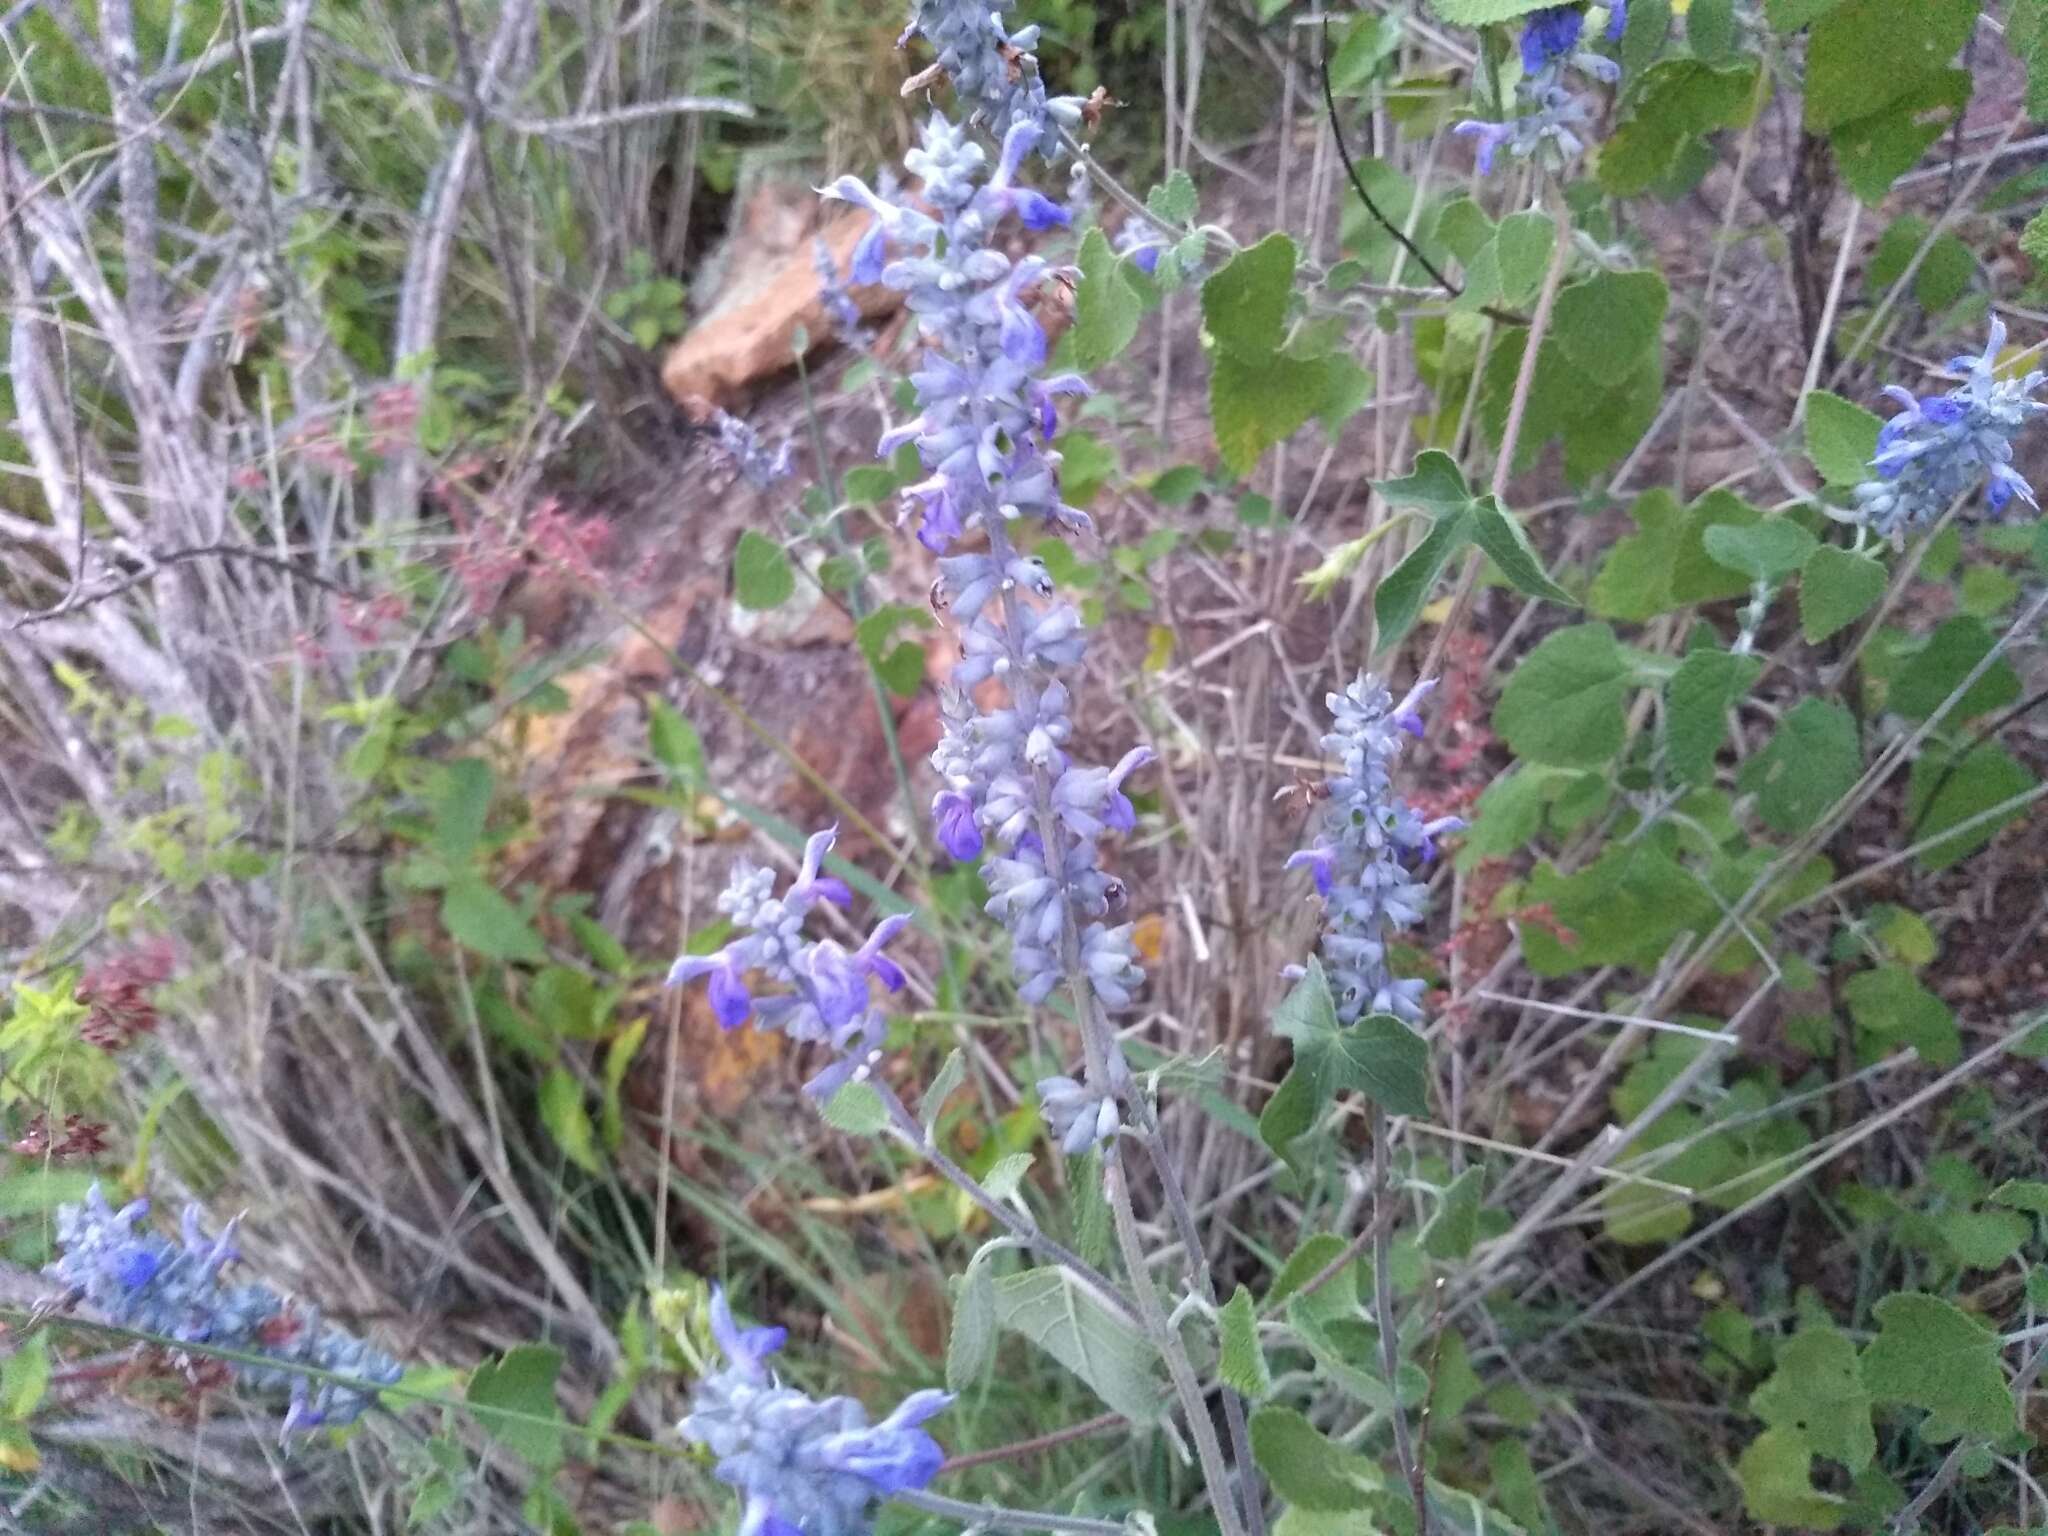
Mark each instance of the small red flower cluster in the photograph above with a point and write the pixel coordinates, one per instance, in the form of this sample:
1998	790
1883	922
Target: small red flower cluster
117	992
80	1137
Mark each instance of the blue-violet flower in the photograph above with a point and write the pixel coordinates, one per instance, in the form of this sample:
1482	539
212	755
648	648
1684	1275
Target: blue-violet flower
1012	790
759	465
138	1279
1941	447
826	998
1552	114
1368	842
992	68
803	1468
844	314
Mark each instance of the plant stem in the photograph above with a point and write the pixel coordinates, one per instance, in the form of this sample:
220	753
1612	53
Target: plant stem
995	1517
1208	1450
1019	1225
1383	1314
1205	1283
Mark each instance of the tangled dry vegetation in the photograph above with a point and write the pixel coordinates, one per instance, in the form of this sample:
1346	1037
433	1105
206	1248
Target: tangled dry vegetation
265	567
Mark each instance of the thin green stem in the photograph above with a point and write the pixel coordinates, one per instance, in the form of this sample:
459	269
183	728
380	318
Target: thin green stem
997	1518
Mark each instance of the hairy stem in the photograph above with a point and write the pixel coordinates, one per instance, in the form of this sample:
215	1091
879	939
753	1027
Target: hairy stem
995	1517
1383	1314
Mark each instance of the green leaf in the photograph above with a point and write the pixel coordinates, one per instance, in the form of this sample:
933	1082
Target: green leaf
1610	322
1006	1177
1259	399
1564	704
1644	35
1865	55
1483	13
1455	1227
1937	800
1244	303
1436	485
1705	687
1242	1364
1983	1239
675	742
566	1002
1291	1113
867	485
1500	533
1889	1000
2029	1195
1711	30
1634	582
971	1347
460	800
25	1375
1388	1062
513	1400
618	1058
1767	551
1776	1474
1106	307
567	1121
1051	1309
952	1073
1668	108
1873	152
762	577
1841	438
856	1108
1404	591
1316	1254
1817	1392
1696	577
1791	15
479	918
1305	1467
1523	246
1836	588
1926	681
1811	762
1933	1355
1173	200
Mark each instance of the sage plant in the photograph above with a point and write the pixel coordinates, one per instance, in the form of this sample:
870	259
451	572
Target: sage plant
1942	447
1553	116
992	69
137	1279
802	1467
1368	845
825	993
1013	789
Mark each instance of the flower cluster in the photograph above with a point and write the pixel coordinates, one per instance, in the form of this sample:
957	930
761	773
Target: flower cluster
992	69
1941	447
117	992
839	306
174	1291
759	465
1553	114
984	429
827	989
804	1468
1366	846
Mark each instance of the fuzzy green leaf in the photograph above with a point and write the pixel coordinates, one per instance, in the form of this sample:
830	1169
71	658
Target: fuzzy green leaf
1564	704
1811	762
1705	687
1841	438
1305	1467
1052	1309
1676	101
1403	592
1455	1227
1836	588
568	1122
1500	533
1244	304
1939	667
762	577
1243	1363
856	1109
1931	1354
971	1346
1107	308
1767	551
1776	1474
1817	1391
513	1400
1938	799
479	918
